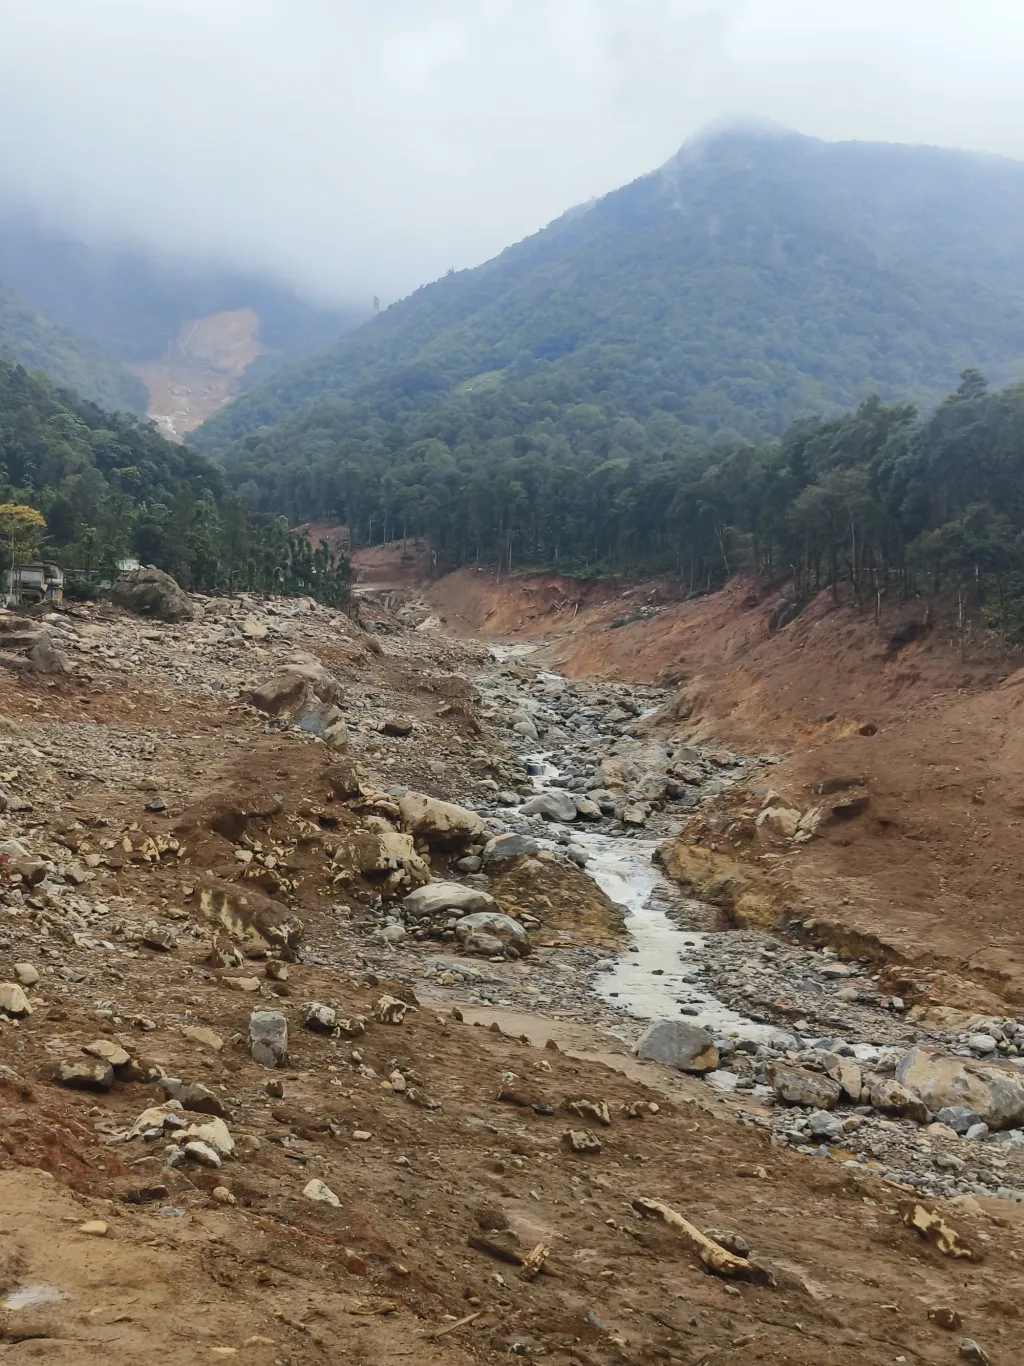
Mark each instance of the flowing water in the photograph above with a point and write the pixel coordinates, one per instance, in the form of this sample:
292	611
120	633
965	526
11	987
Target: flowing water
661	969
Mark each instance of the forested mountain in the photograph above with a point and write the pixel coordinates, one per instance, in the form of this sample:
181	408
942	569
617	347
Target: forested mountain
758	275
72	360
133	304
108	485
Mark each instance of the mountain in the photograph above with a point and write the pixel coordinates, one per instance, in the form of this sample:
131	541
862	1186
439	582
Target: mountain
72	361
756	275
141	311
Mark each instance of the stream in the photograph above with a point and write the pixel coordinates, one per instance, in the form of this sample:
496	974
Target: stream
660	970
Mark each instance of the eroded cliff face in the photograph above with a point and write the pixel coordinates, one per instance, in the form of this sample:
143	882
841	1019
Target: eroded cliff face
200	370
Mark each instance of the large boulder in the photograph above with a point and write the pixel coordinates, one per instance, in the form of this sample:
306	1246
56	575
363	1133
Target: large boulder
426	902
381	855
302	691
481	931
250	918
553	806
795	1086
442	825
152	593
994	1091
687	1047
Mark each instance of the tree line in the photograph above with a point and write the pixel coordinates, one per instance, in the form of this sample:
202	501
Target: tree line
882	497
107	487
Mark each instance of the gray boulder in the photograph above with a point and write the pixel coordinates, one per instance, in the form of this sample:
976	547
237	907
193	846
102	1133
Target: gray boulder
437	897
553	806
268	1038
152	593
795	1086
675	1044
587	809
472	930
959	1118
504	848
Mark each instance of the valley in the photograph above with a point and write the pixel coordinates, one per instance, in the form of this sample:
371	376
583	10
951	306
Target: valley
262	1075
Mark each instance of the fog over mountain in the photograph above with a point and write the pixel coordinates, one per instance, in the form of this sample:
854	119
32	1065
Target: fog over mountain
359	150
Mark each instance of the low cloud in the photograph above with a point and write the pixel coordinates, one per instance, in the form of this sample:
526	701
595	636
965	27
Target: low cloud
359	149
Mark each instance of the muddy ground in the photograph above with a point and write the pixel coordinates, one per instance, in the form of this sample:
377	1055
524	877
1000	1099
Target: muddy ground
134	770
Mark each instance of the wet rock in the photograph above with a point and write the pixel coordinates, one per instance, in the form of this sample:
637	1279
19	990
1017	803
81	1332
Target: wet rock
494	925
438	897
553	806
995	1092
441	824
689	1048
577	854
13	1001
86	1076
268	1038
152	593
795	1086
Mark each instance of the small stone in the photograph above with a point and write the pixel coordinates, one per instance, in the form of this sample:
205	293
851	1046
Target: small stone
205	1037
268	1038
223	1196
320	1192
214	1133
946	1318
159	937
26	974
276	971
581	1141
977	1131
275	1088
361	1135
826	1126
971	1351
251	985
108	1051
156	803
981	1043
959	1118
86	1076
94	1228
13	1000
195	1096
321	1019
202	1153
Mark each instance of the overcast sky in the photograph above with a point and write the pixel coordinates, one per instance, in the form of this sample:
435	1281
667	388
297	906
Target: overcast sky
361	147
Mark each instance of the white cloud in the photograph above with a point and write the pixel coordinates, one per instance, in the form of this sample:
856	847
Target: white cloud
363	146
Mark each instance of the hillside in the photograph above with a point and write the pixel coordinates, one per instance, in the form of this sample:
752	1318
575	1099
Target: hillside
71	360
757	275
141	310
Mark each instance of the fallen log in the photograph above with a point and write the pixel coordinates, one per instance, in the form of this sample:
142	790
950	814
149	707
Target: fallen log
712	1254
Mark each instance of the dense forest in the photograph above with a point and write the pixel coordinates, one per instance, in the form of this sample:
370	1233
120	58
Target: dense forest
71	359
757	276
108	486
881	498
